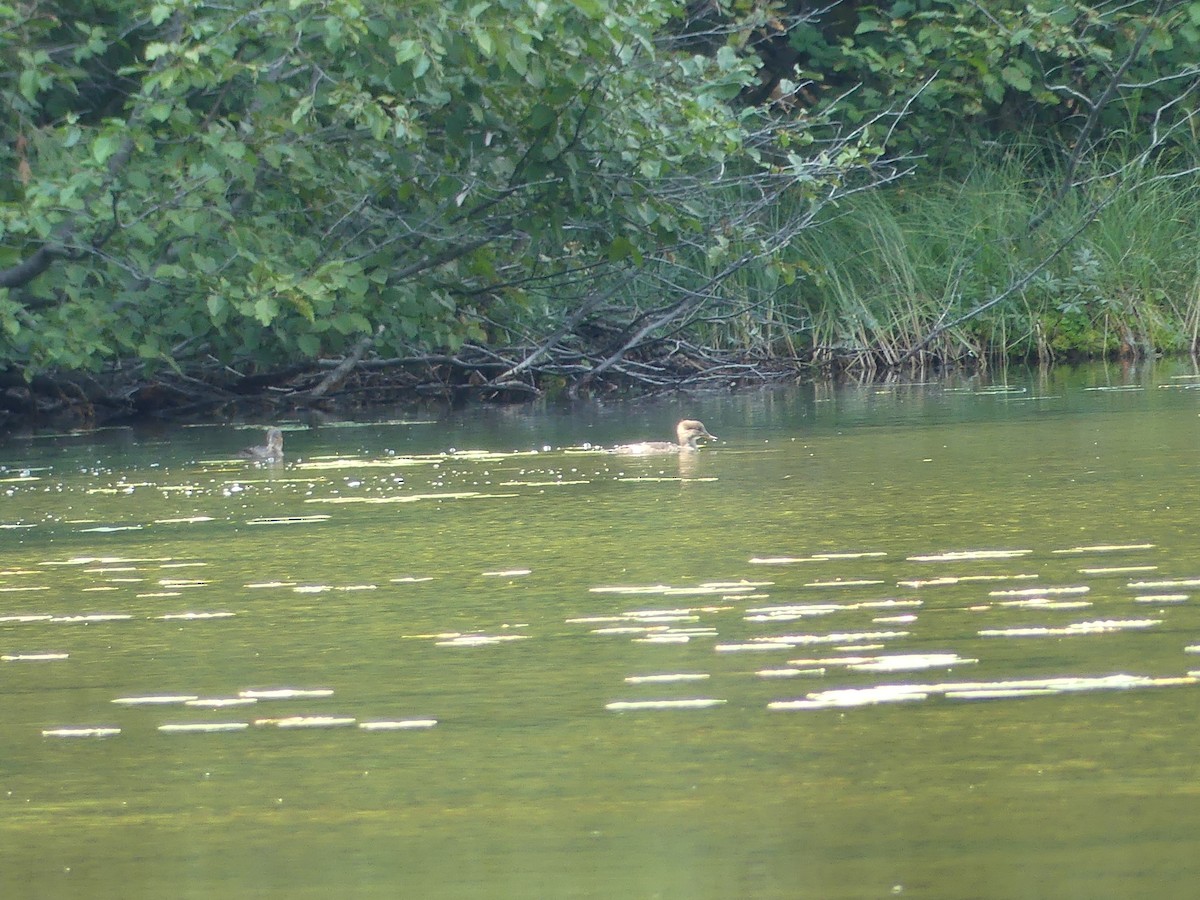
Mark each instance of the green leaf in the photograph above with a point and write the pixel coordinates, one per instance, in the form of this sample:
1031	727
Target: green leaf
170	270
105	146
1016	77
303	108
265	310
542	115
309	344
593	9
517	59
727	58
622	248
28	84
407	50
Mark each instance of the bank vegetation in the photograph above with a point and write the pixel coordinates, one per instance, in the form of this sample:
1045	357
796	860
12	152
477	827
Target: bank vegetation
316	201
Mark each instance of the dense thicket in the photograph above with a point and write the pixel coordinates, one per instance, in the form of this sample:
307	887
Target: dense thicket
203	200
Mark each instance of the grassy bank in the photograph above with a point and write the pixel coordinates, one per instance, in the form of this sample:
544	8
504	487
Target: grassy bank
889	265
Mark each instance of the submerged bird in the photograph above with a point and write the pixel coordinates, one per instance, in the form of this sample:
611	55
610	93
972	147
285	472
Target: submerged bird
688	432
271	452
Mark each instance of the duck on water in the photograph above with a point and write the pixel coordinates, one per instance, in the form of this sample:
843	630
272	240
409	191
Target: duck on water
272	451
688	432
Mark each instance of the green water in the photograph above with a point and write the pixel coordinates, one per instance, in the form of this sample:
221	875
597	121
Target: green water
969	533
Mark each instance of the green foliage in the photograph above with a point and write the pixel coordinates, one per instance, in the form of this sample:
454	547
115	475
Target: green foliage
972	71
894	263
267	181
262	183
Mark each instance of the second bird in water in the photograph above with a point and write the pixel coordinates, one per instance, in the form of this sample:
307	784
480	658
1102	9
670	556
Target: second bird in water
272	452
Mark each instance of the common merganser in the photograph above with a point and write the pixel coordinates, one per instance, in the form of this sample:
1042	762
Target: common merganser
272	452
688	432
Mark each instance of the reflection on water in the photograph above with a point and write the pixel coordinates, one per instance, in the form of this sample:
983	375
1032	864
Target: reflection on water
467	655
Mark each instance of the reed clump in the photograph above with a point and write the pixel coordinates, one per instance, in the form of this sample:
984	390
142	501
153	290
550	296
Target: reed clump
1110	268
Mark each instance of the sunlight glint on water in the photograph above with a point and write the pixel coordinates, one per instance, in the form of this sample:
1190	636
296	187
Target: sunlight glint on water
867	641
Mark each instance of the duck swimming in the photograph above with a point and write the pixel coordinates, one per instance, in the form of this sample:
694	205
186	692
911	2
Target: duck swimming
272	452
688	432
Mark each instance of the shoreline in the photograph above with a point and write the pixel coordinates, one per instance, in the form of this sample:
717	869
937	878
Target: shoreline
83	400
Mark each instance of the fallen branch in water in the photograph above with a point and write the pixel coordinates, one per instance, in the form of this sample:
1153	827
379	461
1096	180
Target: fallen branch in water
341	371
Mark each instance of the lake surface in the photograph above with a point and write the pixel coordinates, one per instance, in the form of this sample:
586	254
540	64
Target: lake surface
928	640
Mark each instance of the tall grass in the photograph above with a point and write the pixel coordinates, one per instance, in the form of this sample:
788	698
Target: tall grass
888	267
